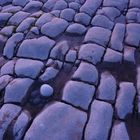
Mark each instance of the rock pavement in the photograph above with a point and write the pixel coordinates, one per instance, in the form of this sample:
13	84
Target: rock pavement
69	69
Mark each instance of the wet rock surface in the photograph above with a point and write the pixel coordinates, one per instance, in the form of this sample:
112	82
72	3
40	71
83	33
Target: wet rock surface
69	69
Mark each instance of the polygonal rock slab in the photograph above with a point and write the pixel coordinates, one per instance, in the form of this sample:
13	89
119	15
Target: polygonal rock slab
119	131
132	34
78	94
107	87
99	122
91	53
36	48
17	90
86	72
51	28
69	123
28	68
124	101
98	35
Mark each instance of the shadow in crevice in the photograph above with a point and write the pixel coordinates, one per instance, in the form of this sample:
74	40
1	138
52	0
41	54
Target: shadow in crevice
121	71
132	123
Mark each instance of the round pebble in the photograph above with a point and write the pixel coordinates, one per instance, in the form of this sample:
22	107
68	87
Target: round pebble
46	90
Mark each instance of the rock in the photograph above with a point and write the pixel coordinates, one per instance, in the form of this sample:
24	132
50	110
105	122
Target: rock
46	90
87	73
3	40
91	53
98	35
129	54
90	6
11	9
119	131
76	28
51	28
107	87
125	98
81	99
59	51
54	5
117	37
132	31
99	121
48	6
17	18
138	80
56	13
20	2
74	5
49	74
7	31
69	123
33	6
25	25
44	18
4	80
111	12
17	90
8	113
71	56
8	68
11	44
112	56
4	18
102	21
31	68
60	5
82	18
67	14
120	4
36	48
21	125
134	3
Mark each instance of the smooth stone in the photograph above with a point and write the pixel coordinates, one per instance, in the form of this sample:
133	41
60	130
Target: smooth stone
46	90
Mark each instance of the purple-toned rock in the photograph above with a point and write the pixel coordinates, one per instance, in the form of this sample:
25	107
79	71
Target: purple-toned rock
69	123
99	122
125	98
8	113
21	125
107	87
51	28
36	48
87	73
98	35
91	53
17	90
78	94
31	68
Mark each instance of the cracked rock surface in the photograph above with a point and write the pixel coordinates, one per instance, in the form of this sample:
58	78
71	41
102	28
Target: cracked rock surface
69	69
